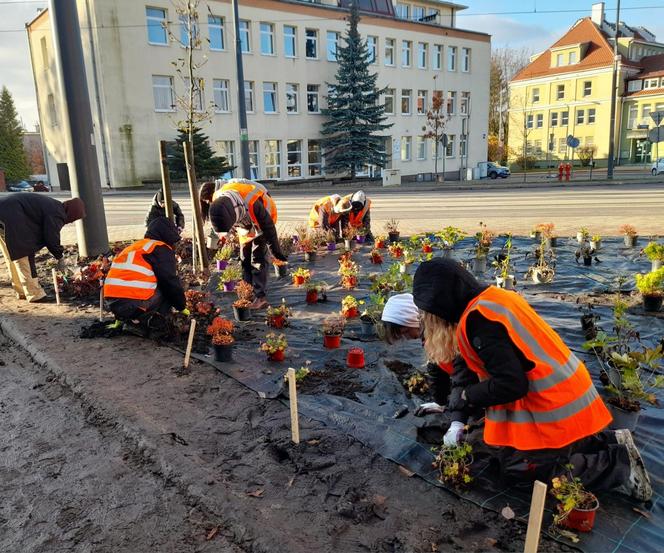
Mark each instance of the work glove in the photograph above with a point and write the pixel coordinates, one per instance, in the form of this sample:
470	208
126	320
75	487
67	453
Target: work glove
280	256
428	408
61	264
453	434
185	312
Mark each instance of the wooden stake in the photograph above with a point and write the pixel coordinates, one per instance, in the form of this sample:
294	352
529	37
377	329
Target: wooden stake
55	286
292	394
101	302
535	517
190	342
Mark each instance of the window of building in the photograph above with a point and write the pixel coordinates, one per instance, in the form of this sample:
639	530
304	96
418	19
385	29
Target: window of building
451	102
245	37
226	148
560	92
450	149
294	158
587	88
221	97
273	159
436	149
418	13
314	158
267	39
560	60
156	23
632	116
389	51
645	113
406	98
422	54
406	53
580	116
313	101
564	118
332	44
530	121
290	41
311	45
269	97
451	58
253	159
651	83
537	147
591	116
554	118
422	103
372	48
464	106
539	120
572	58
185	31
44	52
389	101
216	32
465	60
403	11
562	145
535	95
438	57
249	95
634	86
292	93
421	148
53	112
406	148
164	94
330	92
199	97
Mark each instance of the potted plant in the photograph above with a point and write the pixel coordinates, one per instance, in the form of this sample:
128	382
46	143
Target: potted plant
245	295
589	321
576	507
596	242
392	229
223	256
275	346
281	267
221	332
277	317
396	250
313	289
376	257
582	235
307	245
427	246
543	271
450	237
629	235
407	260
547	236
333	328
348	234
453	464
483	239
331	240
536	233
301	276
416	384
349	273
655	253
349	307
586	252
360	234
380	242
651	286
229	277
503	265
371	314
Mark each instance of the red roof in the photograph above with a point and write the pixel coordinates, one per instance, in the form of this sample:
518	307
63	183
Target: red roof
653	66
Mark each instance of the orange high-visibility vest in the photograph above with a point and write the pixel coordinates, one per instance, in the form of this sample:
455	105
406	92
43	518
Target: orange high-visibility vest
562	404
325	204
131	276
355	220
251	192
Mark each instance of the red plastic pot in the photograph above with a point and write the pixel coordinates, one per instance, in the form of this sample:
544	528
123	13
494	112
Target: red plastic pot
312	296
376	259
298	280
380	244
427	248
331	342
397	254
350	313
278	355
581	520
349	282
278	321
355	358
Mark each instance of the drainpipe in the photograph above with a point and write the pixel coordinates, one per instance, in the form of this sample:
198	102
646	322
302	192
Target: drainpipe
95	81
620	120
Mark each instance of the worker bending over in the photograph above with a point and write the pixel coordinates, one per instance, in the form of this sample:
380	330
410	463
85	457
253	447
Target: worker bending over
359	215
327	212
542	409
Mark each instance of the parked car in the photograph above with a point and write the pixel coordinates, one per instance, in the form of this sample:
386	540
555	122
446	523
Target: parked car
493	171
658	167
23	186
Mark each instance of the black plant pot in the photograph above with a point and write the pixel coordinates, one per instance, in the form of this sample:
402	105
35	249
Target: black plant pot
652	303
588	261
393	237
242	314
223	354
281	271
588	326
310	256
368	327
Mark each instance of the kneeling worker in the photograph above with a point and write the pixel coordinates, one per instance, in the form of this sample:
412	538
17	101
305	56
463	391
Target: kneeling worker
542	409
326	213
143	277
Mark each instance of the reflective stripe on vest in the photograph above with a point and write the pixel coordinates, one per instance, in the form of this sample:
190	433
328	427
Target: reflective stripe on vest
130	275
562	404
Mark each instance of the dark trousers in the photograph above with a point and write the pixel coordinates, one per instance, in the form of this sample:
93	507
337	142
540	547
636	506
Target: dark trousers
253	257
126	309
598	461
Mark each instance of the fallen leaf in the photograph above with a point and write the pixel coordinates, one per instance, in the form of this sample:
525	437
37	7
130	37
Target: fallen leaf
490	542
313	442
406	472
212	533
256	493
569	535
642	513
507	513
379	499
290	482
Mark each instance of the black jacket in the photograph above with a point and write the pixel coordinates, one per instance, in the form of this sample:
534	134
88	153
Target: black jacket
445	288
366	223
163	261
156	210
32	222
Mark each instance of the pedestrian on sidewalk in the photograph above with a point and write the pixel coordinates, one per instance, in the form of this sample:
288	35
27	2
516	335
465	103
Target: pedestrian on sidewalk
28	223
326	213
359	216
158	209
542	409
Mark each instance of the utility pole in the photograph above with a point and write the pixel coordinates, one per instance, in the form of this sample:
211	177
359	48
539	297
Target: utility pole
79	131
241	102
614	86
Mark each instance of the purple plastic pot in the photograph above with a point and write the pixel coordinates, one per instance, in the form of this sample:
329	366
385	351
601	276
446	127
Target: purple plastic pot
229	286
331	246
360	238
221	264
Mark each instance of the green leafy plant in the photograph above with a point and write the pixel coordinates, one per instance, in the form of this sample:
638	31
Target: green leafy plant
230	274
392	280
281	310
301	374
453	464
483	240
654	251
374	308
224	253
571	494
503	262
651	284
451	236
416	384
274	343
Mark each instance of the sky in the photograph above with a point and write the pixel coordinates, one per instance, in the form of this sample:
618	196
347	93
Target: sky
530	24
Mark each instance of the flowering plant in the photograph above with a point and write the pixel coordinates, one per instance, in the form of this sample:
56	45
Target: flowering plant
221	331
274	343
245	294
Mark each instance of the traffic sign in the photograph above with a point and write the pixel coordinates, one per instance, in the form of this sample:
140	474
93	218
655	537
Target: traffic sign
573	142
656	135
657	117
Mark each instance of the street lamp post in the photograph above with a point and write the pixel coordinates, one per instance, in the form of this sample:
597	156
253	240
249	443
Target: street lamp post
614	84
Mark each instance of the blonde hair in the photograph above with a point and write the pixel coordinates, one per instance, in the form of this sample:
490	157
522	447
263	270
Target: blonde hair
440	341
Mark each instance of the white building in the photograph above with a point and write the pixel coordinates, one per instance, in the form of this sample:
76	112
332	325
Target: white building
289	56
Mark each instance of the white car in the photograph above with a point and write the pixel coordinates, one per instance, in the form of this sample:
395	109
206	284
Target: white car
658	167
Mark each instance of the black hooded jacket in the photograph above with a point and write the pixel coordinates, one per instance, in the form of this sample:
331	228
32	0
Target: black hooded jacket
163	261
157	210
444	288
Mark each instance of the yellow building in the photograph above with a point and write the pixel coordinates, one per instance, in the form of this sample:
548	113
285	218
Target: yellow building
566	91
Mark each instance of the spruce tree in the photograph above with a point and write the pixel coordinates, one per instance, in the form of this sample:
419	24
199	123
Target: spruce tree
354	109
13	160
206	163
